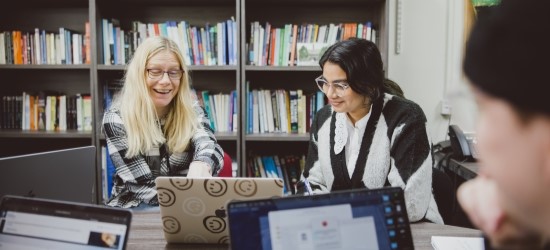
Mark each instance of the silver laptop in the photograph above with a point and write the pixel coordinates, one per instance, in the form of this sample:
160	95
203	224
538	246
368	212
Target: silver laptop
193	210
66	174
33	223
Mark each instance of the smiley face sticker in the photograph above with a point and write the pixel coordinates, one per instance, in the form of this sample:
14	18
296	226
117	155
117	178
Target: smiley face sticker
214	224
166	197
171	225
182	184
215	187
246	188
194	206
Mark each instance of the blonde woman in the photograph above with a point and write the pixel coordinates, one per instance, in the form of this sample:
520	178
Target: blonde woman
155	127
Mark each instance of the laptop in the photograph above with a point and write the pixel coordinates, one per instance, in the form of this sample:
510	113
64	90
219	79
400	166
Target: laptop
193	210
66	174
355	219
34	223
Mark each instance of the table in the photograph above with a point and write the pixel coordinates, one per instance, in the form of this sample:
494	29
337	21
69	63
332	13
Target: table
146	233
466	170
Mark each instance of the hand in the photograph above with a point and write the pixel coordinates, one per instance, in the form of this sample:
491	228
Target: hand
199	169
480	199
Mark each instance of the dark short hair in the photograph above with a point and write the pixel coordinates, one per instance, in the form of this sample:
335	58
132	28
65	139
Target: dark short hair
508	54
362	62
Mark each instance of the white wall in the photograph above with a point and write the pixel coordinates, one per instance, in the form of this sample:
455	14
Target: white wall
428	68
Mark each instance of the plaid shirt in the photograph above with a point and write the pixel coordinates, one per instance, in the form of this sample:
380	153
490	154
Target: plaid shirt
134	182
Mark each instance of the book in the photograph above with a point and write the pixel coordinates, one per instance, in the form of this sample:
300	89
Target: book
310	53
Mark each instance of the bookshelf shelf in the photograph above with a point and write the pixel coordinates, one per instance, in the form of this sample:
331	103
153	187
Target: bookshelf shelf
11	133
282	68
46	66
277	137
241	76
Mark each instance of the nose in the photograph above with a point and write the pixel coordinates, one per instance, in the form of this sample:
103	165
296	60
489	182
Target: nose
165	78
331	92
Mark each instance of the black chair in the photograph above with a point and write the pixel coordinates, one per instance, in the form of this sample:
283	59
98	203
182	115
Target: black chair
444	194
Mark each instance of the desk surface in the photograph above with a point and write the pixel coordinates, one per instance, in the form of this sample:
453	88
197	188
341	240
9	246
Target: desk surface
146	233
466	170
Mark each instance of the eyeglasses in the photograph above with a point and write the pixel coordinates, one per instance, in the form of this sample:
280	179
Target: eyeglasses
338	87
157	74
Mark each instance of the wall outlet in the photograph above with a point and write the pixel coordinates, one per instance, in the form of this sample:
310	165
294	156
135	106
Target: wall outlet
445	107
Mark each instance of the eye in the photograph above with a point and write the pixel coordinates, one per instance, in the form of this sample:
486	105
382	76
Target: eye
155	72
174	73
340	86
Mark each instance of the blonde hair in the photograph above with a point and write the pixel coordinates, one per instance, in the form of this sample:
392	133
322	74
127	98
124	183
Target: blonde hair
138	110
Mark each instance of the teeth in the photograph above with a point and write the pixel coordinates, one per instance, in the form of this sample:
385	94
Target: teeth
162	91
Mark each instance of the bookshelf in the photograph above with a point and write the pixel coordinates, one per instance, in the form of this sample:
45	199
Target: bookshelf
91	78
297	12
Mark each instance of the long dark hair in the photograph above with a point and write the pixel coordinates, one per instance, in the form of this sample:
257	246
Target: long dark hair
362	62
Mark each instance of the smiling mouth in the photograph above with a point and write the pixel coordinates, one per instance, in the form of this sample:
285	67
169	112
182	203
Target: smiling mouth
162	91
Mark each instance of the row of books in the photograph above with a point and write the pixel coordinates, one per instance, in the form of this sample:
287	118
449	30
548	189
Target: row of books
47	111
44	47
213	44
288	168
280	46
220	108
282	111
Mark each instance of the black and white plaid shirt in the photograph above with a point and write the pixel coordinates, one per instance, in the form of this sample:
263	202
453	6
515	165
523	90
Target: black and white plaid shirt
134	182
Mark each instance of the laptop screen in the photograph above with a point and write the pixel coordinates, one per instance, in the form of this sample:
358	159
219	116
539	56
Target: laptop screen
66	174
358	219
27	223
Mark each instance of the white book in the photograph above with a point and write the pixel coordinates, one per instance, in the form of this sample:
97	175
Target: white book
37	50
269	111
261	111
322	34
227	112
63	113
234	42
369	32
75	49
57	49
302	113
87	109
2	49
219	43
234	111
62	45
25	112
48	113
106	48
184	46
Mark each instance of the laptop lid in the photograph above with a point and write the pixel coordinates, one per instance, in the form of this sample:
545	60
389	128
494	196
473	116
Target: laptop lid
193	210
67	174
33	223
356	219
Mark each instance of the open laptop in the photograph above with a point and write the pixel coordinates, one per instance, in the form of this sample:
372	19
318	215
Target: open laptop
193	210
355	219
66	174
33	223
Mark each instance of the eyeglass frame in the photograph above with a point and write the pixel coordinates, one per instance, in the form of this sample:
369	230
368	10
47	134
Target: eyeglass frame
165	72
340	83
